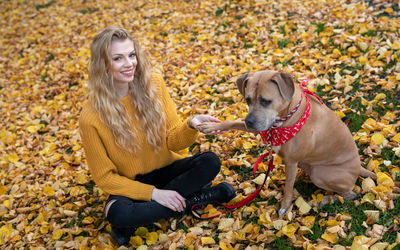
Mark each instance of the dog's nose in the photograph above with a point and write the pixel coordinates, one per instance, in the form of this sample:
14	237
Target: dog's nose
250	121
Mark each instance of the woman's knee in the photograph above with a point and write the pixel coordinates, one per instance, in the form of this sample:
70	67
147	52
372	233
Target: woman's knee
211	161
120	213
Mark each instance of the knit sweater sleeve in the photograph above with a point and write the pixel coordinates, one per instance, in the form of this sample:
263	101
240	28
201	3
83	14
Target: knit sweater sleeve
103	170
179	134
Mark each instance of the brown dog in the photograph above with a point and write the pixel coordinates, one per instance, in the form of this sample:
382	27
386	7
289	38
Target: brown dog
324	147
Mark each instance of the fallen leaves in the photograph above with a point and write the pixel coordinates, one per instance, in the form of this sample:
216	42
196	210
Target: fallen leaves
349	49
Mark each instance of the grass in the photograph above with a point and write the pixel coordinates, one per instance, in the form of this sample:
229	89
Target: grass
358	218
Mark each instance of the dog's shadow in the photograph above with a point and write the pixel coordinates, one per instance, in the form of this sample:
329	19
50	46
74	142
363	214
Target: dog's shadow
305	188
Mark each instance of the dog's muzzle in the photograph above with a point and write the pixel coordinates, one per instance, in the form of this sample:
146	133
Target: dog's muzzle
252	122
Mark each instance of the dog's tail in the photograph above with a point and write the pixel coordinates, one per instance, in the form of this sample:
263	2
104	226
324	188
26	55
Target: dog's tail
366	173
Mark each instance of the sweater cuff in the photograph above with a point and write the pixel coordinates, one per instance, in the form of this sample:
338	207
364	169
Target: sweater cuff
187	124
147	191
191	132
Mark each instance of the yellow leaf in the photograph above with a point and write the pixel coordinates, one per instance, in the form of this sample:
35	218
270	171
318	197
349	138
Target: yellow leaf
34	128
247	145
74	191
279	224
363	60
5	232
378	63
225	223
37	109
332	223
306	61
367	184
340	114
151	238
396	138
230	118
13	157
57	234
330	237
225	245
304	230
207	241
378	138
259	179
369	197
82	179
289	230
3	190
389	116
303	206
336	52
88	220
384	180
308	221
44	230
136	241
6	203
380	96
396	45
56	157
48	190
379	246
141	231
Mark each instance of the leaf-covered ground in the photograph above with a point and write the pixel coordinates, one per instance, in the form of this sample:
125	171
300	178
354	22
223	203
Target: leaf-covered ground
349	49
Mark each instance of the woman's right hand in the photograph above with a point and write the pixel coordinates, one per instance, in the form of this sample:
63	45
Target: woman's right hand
169	198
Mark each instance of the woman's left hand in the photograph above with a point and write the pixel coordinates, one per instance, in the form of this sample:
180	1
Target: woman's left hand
199	119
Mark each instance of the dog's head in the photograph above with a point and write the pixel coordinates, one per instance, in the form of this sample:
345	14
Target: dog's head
267	93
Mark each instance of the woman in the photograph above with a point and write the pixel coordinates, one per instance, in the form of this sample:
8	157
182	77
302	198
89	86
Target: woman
131	132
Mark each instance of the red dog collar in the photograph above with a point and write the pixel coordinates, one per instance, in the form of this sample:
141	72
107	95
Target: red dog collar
277	136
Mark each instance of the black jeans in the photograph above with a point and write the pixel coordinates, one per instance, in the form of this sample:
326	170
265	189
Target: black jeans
185	176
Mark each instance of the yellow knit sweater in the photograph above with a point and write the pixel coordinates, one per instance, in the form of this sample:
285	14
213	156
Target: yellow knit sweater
113	168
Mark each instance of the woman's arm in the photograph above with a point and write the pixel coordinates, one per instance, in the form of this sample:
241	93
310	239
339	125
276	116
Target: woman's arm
179	134
103	170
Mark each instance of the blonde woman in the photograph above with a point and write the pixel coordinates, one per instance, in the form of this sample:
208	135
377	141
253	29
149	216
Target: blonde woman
131	132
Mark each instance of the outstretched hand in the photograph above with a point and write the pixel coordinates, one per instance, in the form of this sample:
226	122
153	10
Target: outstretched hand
199	119
169	198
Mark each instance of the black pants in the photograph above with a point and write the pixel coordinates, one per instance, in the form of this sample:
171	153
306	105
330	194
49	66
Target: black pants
185	176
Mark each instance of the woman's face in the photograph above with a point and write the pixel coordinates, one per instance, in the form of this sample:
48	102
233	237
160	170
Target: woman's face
123	61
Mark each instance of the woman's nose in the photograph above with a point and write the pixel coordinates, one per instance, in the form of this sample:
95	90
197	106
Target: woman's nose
128	62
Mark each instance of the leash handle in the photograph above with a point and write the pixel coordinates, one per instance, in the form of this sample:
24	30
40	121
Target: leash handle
245	201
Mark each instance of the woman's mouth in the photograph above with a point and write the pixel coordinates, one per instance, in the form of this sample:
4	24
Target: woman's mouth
127	73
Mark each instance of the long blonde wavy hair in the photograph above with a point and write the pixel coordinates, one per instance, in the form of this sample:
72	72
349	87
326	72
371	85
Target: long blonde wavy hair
103	95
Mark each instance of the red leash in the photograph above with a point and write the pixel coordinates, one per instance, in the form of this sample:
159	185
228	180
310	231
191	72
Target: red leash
245	201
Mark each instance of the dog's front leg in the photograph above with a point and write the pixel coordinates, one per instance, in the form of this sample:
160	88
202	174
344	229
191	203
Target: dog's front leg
209	127
291	172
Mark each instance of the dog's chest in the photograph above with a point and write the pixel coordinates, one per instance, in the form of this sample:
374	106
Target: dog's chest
276	149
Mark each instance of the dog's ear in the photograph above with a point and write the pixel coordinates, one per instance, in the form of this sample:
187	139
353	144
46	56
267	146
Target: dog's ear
285	84
241	83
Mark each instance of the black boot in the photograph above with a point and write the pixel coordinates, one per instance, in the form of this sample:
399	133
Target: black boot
222	192
122	235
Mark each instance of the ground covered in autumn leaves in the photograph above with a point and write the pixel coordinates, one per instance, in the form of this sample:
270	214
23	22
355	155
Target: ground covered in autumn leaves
349	49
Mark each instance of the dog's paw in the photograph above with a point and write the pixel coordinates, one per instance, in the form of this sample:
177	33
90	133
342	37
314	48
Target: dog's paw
282	212
208	127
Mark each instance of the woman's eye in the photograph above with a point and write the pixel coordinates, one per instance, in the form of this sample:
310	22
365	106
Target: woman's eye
132	55
117	58
264	102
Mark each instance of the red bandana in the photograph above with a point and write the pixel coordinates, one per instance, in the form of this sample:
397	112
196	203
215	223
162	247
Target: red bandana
277	136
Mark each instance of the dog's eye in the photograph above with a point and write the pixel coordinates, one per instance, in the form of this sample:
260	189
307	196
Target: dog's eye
265	102
248	100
